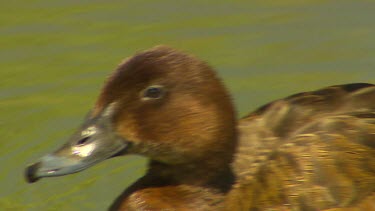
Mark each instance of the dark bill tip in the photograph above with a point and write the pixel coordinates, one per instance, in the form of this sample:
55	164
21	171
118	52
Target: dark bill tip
30	173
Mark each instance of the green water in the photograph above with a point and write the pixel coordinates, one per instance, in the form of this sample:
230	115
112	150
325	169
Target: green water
55	55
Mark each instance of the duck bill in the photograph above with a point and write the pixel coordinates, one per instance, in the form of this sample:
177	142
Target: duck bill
94	142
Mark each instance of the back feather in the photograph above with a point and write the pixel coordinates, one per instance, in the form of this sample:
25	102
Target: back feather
310	151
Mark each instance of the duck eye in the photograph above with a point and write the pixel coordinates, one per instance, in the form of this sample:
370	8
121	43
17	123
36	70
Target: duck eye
153	92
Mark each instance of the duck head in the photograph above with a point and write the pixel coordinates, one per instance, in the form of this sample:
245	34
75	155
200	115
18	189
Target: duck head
162	104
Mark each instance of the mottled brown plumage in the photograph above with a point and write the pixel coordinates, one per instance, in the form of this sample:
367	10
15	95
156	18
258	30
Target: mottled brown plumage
310	151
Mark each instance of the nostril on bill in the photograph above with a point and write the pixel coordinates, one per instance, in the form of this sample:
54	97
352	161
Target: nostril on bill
30	173
83	141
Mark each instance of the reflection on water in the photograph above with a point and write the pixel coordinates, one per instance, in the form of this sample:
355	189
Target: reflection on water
55	55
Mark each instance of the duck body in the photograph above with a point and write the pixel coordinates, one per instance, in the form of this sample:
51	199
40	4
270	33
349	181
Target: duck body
310	151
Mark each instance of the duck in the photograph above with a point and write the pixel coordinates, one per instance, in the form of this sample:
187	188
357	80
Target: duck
314	150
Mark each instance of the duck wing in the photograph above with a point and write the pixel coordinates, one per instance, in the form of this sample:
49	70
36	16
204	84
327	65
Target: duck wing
310	151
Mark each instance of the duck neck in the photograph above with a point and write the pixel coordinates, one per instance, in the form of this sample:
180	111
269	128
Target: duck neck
203	182
212	171
177	187
192	174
